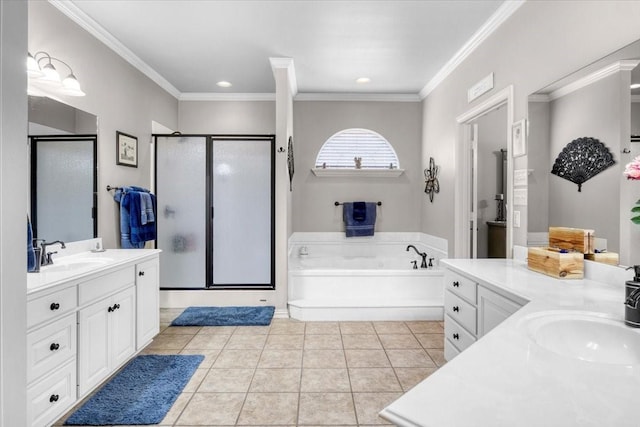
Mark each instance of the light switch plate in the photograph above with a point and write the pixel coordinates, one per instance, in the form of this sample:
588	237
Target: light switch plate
516	219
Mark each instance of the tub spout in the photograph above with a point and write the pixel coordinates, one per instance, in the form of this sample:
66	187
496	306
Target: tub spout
423	264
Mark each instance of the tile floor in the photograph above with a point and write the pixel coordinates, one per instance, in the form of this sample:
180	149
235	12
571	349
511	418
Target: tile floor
298	373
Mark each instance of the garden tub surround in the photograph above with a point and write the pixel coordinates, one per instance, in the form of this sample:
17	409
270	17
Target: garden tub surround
332	277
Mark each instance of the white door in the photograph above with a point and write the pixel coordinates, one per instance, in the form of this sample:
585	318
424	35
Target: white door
473	215
122	324
93	351
147	294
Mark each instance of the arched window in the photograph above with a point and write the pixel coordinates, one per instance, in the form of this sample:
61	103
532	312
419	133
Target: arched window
339	151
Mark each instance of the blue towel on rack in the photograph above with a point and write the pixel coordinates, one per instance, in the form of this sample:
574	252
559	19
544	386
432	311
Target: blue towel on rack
31	254
133	233
359	211
146	208
354	227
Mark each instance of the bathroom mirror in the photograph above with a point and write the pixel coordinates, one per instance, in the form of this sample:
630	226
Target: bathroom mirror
63	147
596	101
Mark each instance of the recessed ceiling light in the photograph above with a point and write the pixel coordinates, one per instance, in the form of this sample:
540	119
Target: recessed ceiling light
635	86
224	83
363	80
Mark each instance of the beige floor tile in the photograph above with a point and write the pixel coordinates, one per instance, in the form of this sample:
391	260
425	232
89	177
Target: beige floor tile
209	356
437	356
149	350
361	341
211	409
275	380
391	328
287	328
431	340
227	380
281	359
323	342
322	328
246	342
347	328
399	341
168	314
366	359
237	359
169	342
325	380
425	327
284	342
196	379
181	330
409	377
326	409
252	330
269	409
373	380
207	342
410	358
369	404
323	359
217	330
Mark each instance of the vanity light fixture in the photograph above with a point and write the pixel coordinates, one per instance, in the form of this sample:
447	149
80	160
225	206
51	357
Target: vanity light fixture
363	80
635	86
224	83
47	77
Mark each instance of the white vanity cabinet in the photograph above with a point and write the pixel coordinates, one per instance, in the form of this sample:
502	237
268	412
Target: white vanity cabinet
82	327
493	309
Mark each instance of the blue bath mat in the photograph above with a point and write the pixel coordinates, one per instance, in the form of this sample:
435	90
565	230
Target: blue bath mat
142	393
225	316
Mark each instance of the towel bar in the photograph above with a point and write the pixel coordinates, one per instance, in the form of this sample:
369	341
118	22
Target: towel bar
342	203
109	188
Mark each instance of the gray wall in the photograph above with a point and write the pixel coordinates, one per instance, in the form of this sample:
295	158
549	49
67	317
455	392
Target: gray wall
540	164
120	96
314	197
227	117
541	42
635	118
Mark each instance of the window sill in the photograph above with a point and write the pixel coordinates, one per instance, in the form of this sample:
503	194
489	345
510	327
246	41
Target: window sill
375	173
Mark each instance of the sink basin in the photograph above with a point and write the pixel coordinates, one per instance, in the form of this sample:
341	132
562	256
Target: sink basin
72	264
589	336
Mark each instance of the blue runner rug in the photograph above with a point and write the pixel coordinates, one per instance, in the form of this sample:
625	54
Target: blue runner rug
142	393
225	316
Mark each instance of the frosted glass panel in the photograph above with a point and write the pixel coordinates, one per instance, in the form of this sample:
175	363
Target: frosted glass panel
64	189
242	212
181	194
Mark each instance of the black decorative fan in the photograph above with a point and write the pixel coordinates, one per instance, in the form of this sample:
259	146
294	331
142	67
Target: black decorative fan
431	179
582	159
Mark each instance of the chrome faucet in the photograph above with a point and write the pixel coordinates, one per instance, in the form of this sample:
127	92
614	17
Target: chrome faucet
45	257
423	264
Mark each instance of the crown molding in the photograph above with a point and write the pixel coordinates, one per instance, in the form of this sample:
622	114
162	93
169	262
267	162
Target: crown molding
539	97
635	98
370	97
99	32
626	65
212	96
500	16
286	63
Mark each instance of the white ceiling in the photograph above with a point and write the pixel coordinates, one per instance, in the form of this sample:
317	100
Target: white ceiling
189	45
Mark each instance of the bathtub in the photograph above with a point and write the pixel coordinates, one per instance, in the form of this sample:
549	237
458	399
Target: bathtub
368	278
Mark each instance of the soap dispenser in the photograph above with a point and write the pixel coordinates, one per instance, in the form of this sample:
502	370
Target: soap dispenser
632	299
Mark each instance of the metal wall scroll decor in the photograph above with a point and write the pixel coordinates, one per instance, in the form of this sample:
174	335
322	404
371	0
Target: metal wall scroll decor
582	159
290	162
432	185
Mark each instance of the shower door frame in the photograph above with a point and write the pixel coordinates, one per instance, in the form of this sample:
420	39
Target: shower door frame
210	209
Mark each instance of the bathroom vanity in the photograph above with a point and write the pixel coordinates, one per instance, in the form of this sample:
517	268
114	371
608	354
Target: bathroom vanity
87	314
529	350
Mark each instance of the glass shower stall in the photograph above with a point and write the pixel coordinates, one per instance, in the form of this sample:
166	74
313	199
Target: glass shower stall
215	211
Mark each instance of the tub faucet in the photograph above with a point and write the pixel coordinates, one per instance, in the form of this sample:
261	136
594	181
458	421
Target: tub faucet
45	257
423	264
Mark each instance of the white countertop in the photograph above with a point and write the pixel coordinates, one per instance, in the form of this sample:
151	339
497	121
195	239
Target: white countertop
505	379
50	276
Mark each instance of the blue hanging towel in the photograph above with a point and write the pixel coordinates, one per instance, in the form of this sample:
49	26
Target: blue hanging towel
133	234
31	254
365	226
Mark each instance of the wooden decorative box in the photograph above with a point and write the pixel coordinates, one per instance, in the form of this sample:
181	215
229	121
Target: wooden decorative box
572	239
604	257
553	263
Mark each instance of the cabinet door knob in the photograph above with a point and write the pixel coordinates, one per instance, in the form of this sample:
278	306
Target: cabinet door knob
54	398
116	306
54	346
54	306
110	309
456	308
141	273
456	336
456	284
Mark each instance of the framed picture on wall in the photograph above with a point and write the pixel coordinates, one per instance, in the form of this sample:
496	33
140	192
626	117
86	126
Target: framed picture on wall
519	138
126	150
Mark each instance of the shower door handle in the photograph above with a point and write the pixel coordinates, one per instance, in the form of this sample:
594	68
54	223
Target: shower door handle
211	212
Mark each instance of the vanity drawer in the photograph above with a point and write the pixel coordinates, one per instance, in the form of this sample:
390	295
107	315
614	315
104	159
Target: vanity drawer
50	346
49	399
51	305
457	335
94	289
460	285
460	310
